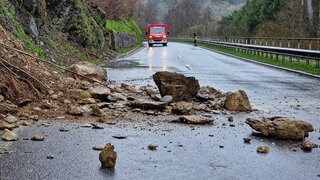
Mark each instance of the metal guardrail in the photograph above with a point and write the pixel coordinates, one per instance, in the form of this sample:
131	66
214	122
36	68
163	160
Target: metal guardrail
310	57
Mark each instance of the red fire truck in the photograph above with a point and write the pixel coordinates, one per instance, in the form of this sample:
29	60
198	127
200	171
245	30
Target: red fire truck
157	34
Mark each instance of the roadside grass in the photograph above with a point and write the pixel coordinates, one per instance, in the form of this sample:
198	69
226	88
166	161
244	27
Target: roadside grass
295	64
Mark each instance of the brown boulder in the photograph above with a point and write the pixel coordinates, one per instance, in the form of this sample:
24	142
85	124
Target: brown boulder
180	87
108	156
281	127
88	70
238	101
182	107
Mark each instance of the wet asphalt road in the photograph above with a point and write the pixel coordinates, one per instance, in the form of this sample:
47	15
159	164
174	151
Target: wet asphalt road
183	153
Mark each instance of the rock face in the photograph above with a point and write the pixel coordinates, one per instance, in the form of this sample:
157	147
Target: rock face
281	127
121	40
88	70
180	87
9	136
108	157
238	101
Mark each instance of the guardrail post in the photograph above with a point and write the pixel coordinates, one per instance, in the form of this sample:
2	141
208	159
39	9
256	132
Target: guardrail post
299	43
280	43
310	44
289	43
318	63
290	59
272	42
308	61
266	42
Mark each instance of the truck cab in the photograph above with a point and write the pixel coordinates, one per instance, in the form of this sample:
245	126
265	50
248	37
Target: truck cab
157	34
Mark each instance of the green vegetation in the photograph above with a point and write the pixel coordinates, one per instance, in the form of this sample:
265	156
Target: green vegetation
8	10
281	62
127	26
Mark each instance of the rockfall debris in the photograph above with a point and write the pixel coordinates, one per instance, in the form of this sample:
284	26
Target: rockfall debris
281	127
108	156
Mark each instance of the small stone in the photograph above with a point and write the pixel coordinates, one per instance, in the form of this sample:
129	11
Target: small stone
263	149
5	125
34	117
221	146
167	99
75	111
55	96
97	148
26	139
67	101
11	119
153	147
37	138
120	136
24	123
96	126
1	98
307	146
247	140
211	135
63	129
232	125
50	157
230	119
9	136
108	156
86	126
96	111
84	95
180	145
294	150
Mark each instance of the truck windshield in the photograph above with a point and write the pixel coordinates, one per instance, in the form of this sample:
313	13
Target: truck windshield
157	30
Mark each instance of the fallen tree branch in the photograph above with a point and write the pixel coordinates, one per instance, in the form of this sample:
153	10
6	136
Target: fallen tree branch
53	64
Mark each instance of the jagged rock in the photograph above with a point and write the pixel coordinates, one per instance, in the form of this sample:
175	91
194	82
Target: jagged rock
167	99
96	111
153	147
238	101
246	140
114	97
108	156
100	92
180	87
307	146
11	119
75	111
5	125
182	107
147	104
129	88
87	101
193	119
1	98
208	93
88	70
9	136
84	95
281	127
37	138
263	149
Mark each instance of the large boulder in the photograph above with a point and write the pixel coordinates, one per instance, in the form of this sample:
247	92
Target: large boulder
238	101
90	71
180	87
281	127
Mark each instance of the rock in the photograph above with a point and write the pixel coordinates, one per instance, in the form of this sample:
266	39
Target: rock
9	136
281	127
108	157
129	88
86	125
97	148
221	146
153	147
11	119
208	93
193	119
232	125
75	111
50	157
24	123
230	119
24	102
180	87
147	104
63	129
100	92
96	110
114	97
246	140
307	146
84	95
1	98
120	136
37	138
263	149
5	125
238	101
87	101
88	70
182	107
67	101
167	99
96	126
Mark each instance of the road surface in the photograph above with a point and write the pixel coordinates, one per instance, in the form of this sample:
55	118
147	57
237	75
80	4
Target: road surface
184	152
